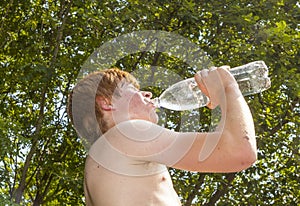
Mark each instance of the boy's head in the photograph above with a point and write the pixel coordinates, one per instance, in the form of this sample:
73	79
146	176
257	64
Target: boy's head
85	114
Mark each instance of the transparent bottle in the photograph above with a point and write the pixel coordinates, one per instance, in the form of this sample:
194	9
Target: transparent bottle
252	78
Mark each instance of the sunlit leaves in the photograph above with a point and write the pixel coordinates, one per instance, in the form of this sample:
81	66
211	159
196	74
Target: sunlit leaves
44	43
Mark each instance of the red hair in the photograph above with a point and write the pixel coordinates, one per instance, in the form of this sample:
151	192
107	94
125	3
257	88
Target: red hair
82	106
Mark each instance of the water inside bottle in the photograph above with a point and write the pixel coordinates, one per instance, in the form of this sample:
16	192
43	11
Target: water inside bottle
253	78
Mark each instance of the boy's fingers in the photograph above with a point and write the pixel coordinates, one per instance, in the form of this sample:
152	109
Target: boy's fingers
200	83
225	67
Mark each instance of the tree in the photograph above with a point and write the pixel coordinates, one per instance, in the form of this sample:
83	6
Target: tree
44	44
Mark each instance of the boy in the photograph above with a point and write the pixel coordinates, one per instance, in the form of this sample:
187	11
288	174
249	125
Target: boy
128	160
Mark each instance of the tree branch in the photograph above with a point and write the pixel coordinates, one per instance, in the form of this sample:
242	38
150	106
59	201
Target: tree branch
22	185
193	194
223	189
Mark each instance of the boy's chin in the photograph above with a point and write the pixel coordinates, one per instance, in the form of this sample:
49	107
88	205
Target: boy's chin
154	118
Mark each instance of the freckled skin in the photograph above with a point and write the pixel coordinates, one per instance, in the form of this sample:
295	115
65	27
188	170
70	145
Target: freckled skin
247	138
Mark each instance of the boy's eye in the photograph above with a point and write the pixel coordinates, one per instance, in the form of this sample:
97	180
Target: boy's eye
133	88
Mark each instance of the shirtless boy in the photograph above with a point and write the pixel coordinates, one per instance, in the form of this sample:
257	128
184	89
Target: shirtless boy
128	160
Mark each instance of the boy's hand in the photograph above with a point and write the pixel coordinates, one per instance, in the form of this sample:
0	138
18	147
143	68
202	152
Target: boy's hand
214	82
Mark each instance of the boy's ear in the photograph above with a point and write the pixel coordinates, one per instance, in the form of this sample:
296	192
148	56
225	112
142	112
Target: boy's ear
103	103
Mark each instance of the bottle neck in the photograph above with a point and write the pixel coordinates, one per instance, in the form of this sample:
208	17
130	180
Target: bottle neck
156	102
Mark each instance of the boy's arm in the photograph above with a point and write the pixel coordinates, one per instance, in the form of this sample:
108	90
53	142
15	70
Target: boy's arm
231	148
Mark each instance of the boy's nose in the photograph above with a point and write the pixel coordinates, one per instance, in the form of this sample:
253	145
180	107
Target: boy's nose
147	94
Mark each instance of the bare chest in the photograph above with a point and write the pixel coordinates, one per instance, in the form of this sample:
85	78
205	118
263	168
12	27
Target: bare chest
104	187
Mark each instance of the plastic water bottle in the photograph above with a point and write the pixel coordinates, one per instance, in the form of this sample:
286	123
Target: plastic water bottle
252	78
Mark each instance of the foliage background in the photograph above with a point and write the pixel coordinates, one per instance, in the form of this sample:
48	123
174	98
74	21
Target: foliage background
44	43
